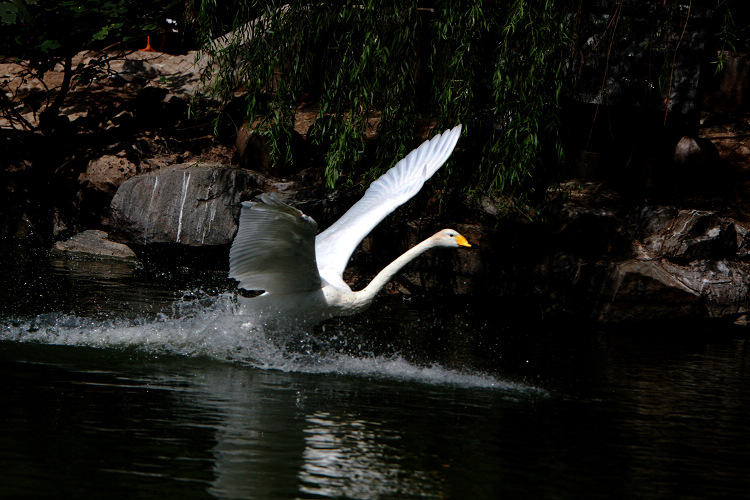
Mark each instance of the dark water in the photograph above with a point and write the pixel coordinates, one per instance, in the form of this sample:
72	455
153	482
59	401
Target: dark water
119	383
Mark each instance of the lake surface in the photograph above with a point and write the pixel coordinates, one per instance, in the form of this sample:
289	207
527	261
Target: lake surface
121	383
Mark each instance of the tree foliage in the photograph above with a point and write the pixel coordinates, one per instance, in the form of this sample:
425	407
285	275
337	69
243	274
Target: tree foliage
398	70
733	24
395	71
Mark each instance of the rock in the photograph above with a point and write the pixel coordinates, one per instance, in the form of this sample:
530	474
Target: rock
253	152
660	290
588	165
687	235
188	204
107	173
699	169
588	231
136	69
743	242
693	154
124	117
124	122
644	290
96	243
653	263
156	107
729	90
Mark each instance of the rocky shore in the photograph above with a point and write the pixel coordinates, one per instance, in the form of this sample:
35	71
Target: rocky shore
167	191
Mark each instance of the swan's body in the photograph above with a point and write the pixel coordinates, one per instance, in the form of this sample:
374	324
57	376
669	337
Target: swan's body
276	248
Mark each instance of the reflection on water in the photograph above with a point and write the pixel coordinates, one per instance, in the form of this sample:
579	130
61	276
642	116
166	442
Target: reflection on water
99	288
197	426
181	399
347	456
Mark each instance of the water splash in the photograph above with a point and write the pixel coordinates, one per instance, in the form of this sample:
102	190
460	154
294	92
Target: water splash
216	331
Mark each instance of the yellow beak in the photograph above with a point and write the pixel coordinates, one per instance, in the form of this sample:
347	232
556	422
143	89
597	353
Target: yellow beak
462	242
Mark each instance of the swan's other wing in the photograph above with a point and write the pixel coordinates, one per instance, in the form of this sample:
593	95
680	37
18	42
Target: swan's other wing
274	249
336	244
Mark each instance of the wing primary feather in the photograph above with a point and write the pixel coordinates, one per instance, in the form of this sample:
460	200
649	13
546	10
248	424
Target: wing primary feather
335	245
274	249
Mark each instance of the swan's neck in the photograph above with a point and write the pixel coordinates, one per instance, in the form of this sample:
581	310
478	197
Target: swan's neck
367	294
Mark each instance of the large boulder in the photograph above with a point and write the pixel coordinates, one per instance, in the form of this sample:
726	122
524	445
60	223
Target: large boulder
662	290
187	204
687	235
654	263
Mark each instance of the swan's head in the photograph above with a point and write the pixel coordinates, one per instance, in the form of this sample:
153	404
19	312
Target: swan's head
449	238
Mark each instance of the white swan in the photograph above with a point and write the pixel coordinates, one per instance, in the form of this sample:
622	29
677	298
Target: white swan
276	248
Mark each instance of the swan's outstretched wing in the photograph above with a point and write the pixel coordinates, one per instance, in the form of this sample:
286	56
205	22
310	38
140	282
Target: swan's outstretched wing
274	249
335	245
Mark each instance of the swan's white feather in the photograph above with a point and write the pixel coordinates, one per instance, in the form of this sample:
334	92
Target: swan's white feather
335	245
274	249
